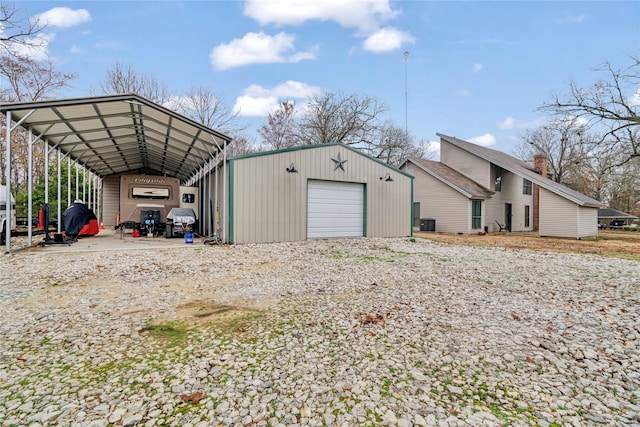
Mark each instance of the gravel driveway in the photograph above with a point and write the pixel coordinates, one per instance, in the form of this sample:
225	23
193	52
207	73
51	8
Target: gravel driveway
325	332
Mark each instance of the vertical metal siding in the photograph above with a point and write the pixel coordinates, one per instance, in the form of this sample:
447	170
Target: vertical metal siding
110	200
270	204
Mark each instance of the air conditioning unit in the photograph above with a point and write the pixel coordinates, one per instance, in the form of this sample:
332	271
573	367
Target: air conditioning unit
427	224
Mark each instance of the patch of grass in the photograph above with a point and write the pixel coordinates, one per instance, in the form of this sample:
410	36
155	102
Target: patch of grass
239	322
173	333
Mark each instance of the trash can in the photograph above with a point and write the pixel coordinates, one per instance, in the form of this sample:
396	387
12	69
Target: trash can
427	224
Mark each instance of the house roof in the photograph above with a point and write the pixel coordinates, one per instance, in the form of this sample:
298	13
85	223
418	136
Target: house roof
524	169
612	213
453	178
120	133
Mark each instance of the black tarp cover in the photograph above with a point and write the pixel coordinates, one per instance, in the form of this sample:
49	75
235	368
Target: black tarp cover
75	217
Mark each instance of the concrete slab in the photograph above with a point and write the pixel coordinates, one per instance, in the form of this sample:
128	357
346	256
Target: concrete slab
114	240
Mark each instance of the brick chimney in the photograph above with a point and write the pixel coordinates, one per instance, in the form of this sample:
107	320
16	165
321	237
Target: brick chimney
540	163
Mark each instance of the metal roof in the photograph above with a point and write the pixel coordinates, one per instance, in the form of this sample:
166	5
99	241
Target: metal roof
612	213
116	134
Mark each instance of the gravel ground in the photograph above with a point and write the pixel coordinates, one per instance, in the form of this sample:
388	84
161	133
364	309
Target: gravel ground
394	332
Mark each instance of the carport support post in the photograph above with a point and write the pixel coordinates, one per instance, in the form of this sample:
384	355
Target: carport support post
8	187
77	183
59	192
68	181
30	188
46	172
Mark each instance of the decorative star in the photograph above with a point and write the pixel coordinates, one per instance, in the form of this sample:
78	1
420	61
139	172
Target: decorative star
339	163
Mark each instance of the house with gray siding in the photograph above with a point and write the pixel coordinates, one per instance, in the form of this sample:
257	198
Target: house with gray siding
475	189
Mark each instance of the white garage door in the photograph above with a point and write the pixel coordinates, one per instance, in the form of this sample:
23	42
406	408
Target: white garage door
335	209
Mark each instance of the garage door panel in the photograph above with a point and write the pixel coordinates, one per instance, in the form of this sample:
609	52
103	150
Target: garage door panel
335	209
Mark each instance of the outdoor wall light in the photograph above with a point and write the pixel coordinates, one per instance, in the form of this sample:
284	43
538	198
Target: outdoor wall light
387	178
292	169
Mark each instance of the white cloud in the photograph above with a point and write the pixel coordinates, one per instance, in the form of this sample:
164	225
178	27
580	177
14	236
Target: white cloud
256	48
462	92
366	15
485	140
36	48
513	123
477	67
387	40
573	19
258	101
248	106
572	121
433	149
63	17
634	100
507	123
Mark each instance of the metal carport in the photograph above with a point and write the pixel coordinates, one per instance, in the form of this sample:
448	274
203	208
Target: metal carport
116	134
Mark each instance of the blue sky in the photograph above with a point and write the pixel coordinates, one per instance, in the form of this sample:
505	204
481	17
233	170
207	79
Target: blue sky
476	70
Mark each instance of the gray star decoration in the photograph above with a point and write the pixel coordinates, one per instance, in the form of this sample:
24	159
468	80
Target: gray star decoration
339	163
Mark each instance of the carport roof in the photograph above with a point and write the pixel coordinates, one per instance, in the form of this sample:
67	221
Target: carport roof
123	133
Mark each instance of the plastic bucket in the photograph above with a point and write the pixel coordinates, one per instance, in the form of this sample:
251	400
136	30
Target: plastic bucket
188	238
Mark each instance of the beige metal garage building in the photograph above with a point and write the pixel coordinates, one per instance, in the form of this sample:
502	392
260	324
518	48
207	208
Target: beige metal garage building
316	191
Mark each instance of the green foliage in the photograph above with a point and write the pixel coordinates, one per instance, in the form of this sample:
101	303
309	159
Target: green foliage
38	193
173	333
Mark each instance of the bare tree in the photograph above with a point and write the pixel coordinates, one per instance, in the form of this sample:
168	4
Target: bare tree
623	187
122	78
563	141
242	144
393	145
610	107
330	117
28	80
31	80
279	131
17	32
206	107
